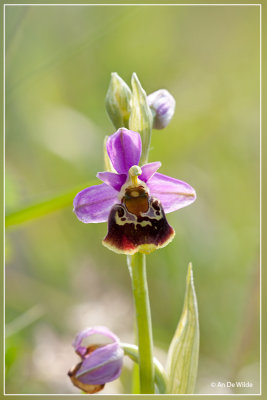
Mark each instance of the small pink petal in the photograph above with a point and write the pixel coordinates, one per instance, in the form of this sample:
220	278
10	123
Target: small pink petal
114	180
148	170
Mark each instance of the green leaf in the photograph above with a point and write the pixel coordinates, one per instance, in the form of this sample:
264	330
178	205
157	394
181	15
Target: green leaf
182	360
141	119
118	101
43	208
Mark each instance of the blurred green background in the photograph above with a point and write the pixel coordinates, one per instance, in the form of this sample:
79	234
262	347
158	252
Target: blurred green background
59	277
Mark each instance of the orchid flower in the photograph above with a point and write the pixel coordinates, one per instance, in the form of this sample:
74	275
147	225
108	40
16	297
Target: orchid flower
100	363
134	199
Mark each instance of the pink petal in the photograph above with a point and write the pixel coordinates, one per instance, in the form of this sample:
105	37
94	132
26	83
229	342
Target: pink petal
148	170
172	193
124	149
101	330
94	203
114	180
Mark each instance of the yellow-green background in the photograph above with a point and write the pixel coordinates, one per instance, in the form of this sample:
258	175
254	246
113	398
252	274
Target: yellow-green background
59	278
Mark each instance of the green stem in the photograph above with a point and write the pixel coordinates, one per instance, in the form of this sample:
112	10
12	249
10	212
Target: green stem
137	266
160	375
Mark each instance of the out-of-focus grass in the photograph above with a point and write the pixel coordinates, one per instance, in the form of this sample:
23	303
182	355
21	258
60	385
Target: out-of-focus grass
45	207
58	66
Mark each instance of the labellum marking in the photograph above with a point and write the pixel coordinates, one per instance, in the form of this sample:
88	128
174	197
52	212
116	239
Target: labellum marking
137	224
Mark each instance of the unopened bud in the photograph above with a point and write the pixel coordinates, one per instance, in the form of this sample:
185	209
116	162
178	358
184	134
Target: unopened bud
141	117
118	101
162	105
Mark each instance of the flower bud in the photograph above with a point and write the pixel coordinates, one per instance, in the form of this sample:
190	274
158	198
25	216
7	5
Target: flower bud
118	101
162	105
99	363
141	118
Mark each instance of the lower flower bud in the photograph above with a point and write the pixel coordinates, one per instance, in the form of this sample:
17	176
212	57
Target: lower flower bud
99	363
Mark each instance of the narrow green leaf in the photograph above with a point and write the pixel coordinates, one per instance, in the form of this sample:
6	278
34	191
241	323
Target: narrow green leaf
141	119
182	361
118	101
43	208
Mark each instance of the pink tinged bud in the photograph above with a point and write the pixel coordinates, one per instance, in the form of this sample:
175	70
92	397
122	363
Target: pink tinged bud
99	363
162	104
